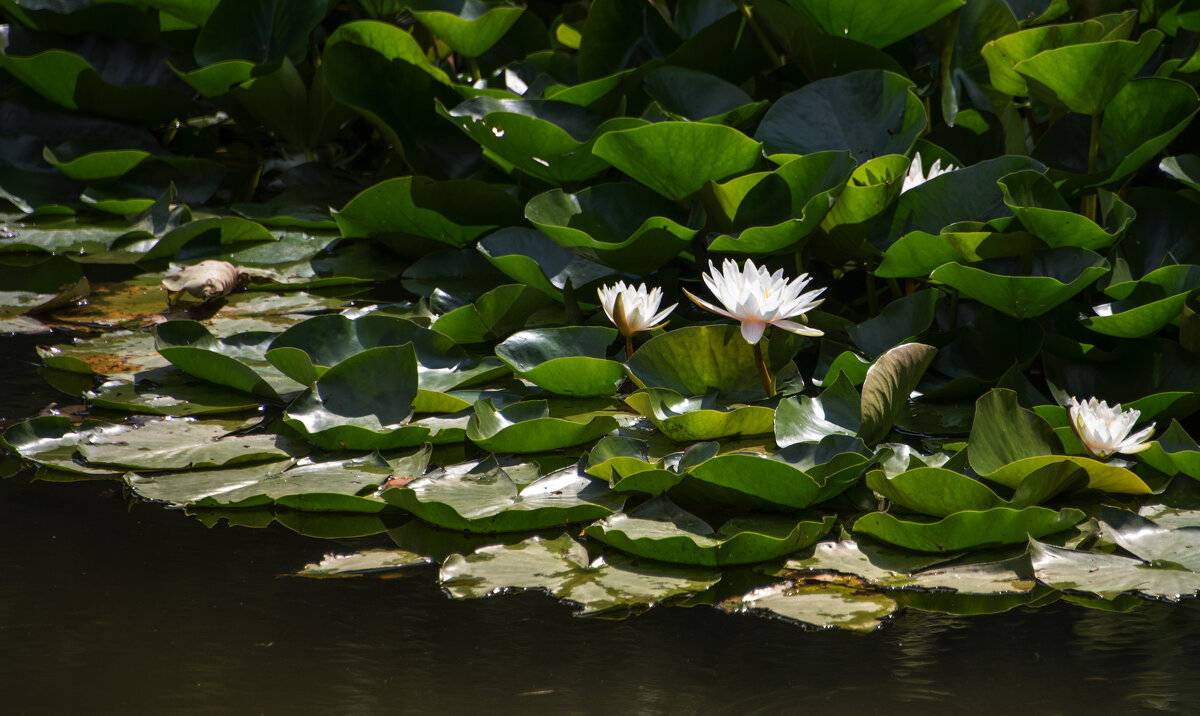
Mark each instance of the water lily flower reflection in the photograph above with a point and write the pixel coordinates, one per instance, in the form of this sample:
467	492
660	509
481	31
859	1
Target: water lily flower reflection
1104	431
757	298
633	309
916	175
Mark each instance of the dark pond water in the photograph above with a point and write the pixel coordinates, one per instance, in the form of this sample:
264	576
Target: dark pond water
112	607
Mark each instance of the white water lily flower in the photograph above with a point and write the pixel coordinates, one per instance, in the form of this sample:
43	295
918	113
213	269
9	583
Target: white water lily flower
916	175
757	298
633	309
1104	431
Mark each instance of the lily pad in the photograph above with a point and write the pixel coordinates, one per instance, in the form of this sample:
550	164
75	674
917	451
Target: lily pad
869	112
1108	575
820	605
1043	211
397	210
625	226
182	443
1054	276
551	140
651	156
890	380
565	361
837	411
481	497
238	361
968	529
698	360
326	484
695	419
659	529
528	427
365	402
534	259
561	567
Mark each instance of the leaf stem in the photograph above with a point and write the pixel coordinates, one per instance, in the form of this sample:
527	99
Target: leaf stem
628	347
763	374
776	59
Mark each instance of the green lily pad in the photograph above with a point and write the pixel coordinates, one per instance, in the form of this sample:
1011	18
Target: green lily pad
820	605
562	568
365	402
551	140
773	211
1146	305
262	31
1006	52
695	419
397	210
900	321
876	23
889	382
934	491
326	484
1144	117
52	440
625	226
872	186
875	562
494	315
1148	541
565	361
237	361
869	112
1174	451
793	478
651	156
534	259
1105	477
1003	432
528	427
469	27
700	97
660	530
1039	206
366	562
698	360
307	350
837	411
481	497
169	392
627	466
1055	275
968	529
1085	77
183	443
1108	575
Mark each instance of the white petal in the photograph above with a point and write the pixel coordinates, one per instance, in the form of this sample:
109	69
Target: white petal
706	305
752	331
799	328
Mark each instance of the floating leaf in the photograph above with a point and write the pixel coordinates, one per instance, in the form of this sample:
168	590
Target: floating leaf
560	567
870	113
968	529
695	419
650	155
698	360
890	380
659	529
481	497
528	427
819	605
1055	275
565	361
1108	575
625	226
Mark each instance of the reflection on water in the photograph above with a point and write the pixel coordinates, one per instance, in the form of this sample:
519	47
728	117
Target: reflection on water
108	607
111	607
